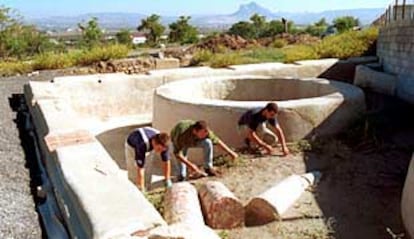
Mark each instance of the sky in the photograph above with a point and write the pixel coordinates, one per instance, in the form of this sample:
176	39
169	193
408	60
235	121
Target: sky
40	8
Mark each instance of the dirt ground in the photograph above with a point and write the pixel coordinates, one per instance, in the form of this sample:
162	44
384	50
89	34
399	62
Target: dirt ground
359	194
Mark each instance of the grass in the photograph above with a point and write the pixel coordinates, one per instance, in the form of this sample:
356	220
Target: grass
10	68
50	60
156	198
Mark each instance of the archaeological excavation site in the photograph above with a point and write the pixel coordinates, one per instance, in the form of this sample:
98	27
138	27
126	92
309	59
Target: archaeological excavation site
326	110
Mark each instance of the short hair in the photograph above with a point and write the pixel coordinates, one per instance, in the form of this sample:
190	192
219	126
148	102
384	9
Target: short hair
199	125
271	107
162	139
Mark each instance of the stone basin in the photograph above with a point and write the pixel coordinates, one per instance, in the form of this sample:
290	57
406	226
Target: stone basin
308	106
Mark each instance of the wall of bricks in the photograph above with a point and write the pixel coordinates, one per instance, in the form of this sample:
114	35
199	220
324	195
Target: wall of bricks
395	50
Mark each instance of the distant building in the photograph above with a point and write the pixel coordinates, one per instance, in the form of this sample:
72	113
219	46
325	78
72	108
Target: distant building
138	38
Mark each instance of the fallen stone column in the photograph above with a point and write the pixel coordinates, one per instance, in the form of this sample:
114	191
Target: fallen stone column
271	204
222	210
182	205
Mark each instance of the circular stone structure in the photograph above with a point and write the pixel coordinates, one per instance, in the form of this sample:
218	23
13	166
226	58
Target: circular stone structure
308	107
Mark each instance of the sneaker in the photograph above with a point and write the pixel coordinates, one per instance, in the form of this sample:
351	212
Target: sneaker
212	172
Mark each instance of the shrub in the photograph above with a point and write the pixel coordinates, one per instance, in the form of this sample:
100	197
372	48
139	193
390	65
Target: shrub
224	60
279	43
299	52
201	56
52	61
10	68
347	44
104	53
264	55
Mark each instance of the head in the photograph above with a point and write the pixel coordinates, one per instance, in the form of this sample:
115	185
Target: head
160	142
200	129
270	110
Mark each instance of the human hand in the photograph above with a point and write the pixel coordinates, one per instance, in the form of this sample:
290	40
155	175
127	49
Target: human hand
285	151
269	150
234	155
168	183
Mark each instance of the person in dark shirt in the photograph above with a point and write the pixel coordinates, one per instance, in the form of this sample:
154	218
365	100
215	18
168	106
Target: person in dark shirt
139	143
188	134
262	118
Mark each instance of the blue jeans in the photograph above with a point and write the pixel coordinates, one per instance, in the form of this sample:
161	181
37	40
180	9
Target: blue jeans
207	146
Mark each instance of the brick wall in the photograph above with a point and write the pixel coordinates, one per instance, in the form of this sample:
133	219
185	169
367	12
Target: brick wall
395	50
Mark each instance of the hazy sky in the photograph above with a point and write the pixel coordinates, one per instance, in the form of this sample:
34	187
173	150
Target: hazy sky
38	8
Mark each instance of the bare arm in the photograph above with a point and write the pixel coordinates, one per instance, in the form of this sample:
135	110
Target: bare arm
188	163
167	170
141	178
280	135
255	138
227	149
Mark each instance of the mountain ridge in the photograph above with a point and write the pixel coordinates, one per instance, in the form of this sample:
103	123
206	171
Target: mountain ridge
117	20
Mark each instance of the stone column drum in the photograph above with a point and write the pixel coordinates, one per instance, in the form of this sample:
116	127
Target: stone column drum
222	210
182	205
270	205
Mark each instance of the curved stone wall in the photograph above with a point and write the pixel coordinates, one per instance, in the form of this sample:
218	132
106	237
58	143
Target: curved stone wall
407	203
308	106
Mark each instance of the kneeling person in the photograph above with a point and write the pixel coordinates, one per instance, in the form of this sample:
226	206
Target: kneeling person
257	118
188	134
140	142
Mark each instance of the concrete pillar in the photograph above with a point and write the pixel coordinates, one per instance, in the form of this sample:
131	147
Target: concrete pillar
271	204
222	210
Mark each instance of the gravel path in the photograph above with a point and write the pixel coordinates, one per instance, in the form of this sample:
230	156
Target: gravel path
18	216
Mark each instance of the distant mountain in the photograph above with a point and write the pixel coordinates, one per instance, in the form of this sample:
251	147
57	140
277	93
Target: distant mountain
247	10
115	21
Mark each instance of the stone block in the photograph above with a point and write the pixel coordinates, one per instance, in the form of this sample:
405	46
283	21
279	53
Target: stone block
376	81
167	63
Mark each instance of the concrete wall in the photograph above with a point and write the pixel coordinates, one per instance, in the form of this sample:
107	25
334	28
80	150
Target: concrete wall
76	116
396	52
407	204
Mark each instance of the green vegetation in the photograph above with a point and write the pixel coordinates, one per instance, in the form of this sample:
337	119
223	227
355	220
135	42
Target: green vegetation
299	52
345	23
8	68
153	26
259	27
91	33
124	37
318	28
347	44
18	40
181	31
97	54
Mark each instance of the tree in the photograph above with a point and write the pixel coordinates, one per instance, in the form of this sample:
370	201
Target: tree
318	28
346	23
91	33
259	24
19	40
123	37
321	23
243	29
181	31
154	28
273	28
